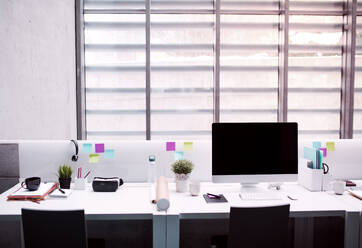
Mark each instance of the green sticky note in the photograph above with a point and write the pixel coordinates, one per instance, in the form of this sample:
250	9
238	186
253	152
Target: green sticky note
188	146
179	155
93	158
109	153
330	146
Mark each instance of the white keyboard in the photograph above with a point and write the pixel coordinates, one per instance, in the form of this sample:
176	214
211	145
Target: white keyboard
256	196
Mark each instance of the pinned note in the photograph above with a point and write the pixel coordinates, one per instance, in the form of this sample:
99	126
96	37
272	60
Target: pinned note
93	158
179	155
109	153
317	144
324	150
99	148
330	146
170	146
87	148
188	146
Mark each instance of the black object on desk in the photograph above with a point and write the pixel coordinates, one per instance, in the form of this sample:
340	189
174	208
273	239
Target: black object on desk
212	199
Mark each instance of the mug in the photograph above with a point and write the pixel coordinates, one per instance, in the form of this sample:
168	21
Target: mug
31	183
338	187
195	188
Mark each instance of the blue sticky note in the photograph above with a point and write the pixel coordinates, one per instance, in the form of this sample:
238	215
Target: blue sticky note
179	155
109	153
317	144
87	148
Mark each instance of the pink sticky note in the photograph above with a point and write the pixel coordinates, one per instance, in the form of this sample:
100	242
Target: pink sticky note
324	151
99	148
170	146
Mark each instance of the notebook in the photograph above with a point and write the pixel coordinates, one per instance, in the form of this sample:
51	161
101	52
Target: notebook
37	195
58	193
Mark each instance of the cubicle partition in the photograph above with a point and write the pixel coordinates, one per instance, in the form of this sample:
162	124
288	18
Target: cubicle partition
129	159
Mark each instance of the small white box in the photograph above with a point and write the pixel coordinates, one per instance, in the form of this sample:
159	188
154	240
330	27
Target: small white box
79	183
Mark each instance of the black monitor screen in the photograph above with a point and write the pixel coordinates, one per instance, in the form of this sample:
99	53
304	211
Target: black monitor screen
254	148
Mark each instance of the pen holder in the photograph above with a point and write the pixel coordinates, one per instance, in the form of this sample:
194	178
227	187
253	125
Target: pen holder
79	183
312	179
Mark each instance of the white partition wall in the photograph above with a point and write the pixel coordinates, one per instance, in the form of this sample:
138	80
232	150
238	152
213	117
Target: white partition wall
42	158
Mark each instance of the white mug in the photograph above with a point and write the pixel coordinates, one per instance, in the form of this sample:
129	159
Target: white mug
195	188
339	187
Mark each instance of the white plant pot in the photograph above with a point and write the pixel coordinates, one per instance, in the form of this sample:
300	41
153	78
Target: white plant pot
182	181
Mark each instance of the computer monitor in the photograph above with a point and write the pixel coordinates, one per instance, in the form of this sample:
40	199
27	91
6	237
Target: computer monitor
254	152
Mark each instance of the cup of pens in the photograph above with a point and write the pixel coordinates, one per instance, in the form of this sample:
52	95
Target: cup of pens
80	181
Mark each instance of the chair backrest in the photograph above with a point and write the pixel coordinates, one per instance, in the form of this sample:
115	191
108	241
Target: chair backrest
63	229
258	227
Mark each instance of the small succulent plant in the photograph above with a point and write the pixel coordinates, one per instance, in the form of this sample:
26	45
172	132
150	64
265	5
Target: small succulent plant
182	166
65	171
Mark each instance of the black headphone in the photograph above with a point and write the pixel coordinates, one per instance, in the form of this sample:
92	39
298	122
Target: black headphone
75	156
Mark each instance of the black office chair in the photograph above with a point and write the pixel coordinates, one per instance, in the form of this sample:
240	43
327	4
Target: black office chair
63	229
258	227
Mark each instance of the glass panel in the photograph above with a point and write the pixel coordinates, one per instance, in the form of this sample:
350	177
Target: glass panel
249	68
315	65
181	75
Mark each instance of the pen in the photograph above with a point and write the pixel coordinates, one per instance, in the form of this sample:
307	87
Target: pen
87	174
212	195
61	190
291	198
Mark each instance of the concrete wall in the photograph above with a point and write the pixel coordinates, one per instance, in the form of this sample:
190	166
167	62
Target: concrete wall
37	69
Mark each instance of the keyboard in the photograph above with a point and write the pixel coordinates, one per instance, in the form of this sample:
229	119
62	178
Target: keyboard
256	196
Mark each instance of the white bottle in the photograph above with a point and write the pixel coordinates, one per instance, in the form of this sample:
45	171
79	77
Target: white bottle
151	169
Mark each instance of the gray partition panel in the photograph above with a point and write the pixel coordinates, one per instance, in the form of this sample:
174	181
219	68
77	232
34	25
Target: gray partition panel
9	160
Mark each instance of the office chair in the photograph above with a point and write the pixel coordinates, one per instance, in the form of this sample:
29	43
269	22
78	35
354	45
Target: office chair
258	227
63	229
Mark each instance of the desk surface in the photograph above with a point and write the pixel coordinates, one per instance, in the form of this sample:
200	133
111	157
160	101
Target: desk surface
130	201
309	204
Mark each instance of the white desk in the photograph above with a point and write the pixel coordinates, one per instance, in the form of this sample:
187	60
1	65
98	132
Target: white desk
309	204
132	201
129	202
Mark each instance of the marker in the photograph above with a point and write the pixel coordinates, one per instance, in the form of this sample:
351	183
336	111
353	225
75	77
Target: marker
213	196
61	190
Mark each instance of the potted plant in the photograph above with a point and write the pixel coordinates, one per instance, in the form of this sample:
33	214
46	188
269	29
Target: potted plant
65	176
182	169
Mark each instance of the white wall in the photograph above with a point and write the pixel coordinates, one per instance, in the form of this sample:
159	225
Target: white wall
37	69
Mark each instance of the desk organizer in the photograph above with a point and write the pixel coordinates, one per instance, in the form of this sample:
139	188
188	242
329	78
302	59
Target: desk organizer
311	179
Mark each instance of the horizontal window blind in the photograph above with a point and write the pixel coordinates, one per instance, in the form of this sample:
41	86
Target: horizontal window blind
357	120
315	67
167	69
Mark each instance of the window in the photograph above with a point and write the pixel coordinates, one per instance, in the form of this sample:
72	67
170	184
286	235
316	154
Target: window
161	69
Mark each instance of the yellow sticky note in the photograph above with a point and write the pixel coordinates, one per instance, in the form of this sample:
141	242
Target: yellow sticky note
188	146
93	158
330	146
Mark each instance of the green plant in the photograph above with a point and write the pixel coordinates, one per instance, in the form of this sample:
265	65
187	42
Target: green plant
182	166
65	171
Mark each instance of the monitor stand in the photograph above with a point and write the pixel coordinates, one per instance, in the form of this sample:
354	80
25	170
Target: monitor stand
255	187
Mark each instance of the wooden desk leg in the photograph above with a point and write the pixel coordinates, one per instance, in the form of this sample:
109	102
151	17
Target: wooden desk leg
351	230
159	230
173	231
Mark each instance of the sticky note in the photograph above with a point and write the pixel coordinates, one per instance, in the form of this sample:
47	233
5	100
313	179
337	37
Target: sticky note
179	155
324	150
170	146
99	148
109	153
330	146
87	148
317	144
93	158
188	146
